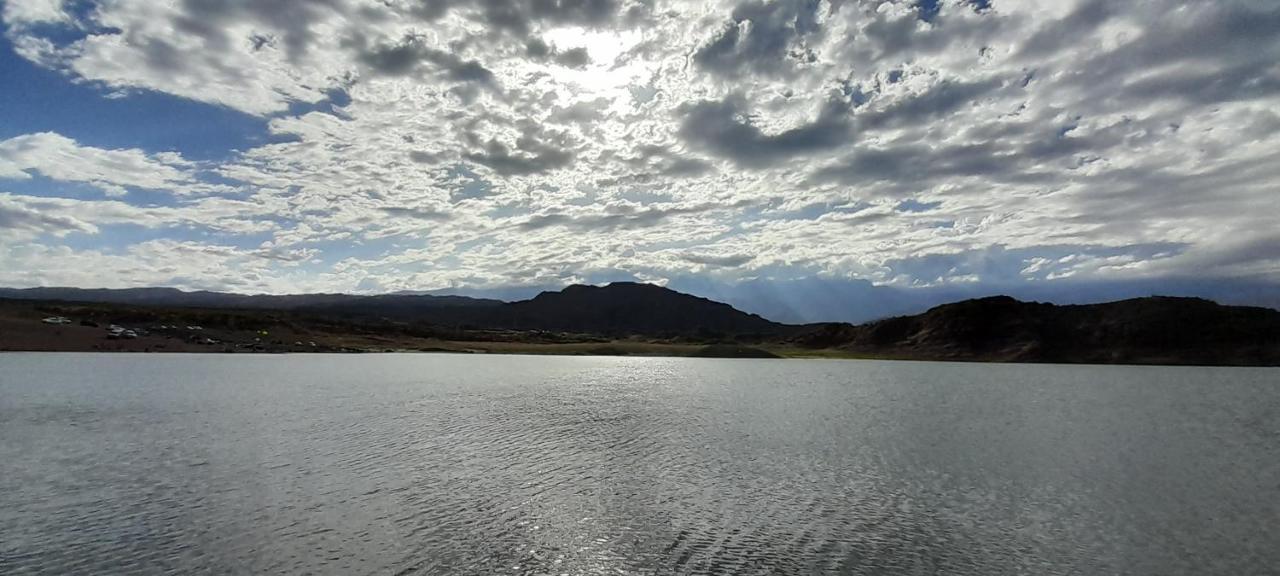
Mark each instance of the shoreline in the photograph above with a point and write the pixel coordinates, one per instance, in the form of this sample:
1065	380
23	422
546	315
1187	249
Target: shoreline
86	328
22	329
778	354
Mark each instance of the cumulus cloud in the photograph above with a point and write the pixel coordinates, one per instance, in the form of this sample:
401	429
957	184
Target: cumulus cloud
536	150
32	12
533	143
539	51
411	53
724	128
762	37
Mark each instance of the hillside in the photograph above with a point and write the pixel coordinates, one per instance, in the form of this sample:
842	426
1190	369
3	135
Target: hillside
632	308
618	309
1160	330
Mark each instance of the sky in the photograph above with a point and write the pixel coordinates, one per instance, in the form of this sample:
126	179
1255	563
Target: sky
833	159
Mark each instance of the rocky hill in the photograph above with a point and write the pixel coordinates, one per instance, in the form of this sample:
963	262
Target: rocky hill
628	307
1159	330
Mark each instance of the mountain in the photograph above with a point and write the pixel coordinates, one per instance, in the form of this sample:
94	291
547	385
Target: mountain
856	301
629	307
1141	330
618	309
204	299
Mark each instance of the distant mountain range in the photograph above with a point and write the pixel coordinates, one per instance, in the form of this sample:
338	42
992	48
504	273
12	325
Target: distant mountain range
857	301
205	299
620	308
1141	330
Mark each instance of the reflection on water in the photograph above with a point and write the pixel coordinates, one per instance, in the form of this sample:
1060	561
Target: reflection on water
528	465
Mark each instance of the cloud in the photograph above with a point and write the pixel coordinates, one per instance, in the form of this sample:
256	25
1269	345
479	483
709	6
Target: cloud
762	38
21	14
17	216
36	215
181	264
539	51
906	167
1079	23
415	213
913	205
944	97
536	150
724	128
518	17
617	217
408	56
510	143
718	260
60	158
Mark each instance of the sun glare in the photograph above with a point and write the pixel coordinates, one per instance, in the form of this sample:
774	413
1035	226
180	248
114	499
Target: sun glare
605	71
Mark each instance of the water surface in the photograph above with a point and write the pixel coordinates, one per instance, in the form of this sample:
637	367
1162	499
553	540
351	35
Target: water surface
439	464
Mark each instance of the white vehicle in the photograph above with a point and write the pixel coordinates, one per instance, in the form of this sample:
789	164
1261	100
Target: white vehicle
57	320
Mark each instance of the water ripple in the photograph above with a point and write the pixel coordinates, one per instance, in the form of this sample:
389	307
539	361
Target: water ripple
478	465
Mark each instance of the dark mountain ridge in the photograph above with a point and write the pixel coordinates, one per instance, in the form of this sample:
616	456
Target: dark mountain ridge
206	299
1155	329
618	309
629	307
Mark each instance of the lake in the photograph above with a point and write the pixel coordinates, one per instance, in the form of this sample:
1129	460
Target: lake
455	464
